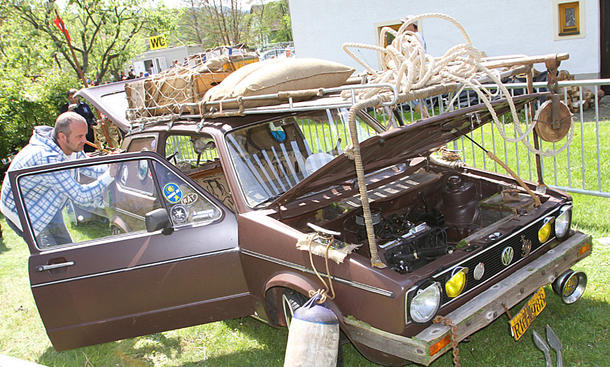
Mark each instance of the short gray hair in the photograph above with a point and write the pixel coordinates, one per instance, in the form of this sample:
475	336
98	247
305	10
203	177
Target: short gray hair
64	122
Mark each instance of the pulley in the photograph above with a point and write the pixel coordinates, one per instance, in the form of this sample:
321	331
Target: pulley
553	128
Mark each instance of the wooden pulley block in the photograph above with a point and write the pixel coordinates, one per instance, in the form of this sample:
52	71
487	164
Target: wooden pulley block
545	128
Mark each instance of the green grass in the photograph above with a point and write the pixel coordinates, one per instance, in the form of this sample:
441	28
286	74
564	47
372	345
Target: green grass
582	327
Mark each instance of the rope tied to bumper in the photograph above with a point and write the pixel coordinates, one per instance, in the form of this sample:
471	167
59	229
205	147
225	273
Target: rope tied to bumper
454	342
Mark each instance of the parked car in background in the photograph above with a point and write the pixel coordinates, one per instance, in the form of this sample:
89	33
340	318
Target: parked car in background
277	53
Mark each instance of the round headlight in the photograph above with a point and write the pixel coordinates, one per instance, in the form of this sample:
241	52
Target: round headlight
455	285
570	286
563	222
544	233
425	303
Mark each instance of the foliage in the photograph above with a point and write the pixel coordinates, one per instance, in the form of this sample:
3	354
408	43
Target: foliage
102	31
25	103
271	22
213	23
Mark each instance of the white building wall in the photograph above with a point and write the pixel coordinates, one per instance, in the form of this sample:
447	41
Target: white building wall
497	27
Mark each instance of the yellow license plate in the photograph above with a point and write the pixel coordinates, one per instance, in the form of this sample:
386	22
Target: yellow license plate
525	317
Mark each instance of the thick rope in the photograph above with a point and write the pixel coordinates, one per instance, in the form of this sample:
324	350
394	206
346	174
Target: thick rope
406	65
353	152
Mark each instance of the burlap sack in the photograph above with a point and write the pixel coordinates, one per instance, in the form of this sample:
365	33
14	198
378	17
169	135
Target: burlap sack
277	75
224	89
293	74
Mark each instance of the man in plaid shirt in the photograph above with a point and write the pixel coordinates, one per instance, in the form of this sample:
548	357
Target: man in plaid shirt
45	195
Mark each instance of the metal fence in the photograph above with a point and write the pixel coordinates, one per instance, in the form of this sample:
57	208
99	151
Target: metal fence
578	169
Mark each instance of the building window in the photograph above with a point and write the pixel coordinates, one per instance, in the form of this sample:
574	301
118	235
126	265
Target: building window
388	36
569	19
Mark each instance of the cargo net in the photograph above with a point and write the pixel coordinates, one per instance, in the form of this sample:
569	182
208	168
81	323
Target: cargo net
177	90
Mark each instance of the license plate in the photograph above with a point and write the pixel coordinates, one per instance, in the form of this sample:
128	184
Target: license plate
525	317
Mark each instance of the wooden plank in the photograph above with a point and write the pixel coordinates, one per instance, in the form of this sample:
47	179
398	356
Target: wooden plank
401	346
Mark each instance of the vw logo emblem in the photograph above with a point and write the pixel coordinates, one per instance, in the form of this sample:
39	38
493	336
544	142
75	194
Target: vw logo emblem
507	255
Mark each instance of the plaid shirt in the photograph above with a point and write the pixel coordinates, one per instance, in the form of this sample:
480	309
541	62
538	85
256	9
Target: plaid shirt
46	194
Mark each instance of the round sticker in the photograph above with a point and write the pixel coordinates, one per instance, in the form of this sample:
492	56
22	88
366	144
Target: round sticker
189	199
179	214
172	192
479	270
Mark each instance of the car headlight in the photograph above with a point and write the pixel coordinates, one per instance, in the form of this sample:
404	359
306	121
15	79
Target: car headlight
544	233
455	285
425	304
563	222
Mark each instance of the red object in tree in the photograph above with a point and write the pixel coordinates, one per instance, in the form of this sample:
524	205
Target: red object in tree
62	27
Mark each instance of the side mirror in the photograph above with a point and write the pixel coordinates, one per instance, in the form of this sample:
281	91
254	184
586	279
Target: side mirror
158	219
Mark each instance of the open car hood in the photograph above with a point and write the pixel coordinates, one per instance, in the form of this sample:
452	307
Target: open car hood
111	100
397	145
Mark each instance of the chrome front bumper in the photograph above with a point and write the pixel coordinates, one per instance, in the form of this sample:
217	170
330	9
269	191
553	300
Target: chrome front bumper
478	312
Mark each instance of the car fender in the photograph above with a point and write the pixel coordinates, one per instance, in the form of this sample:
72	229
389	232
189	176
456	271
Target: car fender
296	282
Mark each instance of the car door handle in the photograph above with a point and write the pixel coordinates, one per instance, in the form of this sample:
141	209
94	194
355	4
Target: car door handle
54	266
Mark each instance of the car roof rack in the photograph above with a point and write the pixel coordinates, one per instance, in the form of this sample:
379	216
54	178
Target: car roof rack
315	99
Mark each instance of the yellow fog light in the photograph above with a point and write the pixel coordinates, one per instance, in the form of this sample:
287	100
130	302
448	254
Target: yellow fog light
455	285
545	231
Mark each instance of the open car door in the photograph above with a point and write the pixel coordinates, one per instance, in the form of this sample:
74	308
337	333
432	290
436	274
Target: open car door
164	256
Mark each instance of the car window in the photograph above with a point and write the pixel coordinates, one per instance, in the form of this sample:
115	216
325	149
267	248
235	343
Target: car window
189	152
270	158
140	144
78	205
197	156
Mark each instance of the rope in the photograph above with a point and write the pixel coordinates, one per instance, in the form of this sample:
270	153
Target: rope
454	342
354	153
406	65
322	292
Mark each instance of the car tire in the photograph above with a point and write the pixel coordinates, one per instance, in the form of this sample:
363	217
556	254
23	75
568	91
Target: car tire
292	301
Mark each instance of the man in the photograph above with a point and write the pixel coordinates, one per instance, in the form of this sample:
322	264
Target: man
83	109
45	195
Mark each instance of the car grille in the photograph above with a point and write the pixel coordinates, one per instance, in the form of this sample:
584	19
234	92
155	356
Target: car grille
491	257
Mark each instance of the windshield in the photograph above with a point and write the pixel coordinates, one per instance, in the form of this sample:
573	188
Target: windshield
272	157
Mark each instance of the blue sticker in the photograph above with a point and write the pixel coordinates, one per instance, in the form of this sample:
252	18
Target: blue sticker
172	193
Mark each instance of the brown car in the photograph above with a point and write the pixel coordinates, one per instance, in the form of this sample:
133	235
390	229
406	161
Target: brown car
204	217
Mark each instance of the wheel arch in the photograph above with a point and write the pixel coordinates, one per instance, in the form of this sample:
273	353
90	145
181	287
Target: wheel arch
293	281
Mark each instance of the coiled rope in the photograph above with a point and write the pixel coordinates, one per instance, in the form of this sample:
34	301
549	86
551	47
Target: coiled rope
406	65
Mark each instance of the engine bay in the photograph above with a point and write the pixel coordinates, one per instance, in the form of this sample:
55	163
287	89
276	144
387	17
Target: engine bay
420	217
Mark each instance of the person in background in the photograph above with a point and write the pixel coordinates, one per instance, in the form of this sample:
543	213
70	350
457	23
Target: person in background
46	195
83	109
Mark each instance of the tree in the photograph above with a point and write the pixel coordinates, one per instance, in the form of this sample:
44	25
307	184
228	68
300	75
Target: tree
102	31
215	22
271	22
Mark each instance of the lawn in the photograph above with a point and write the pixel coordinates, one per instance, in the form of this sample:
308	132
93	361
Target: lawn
582	327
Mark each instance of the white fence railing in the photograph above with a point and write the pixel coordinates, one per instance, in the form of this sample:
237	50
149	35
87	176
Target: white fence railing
577	169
